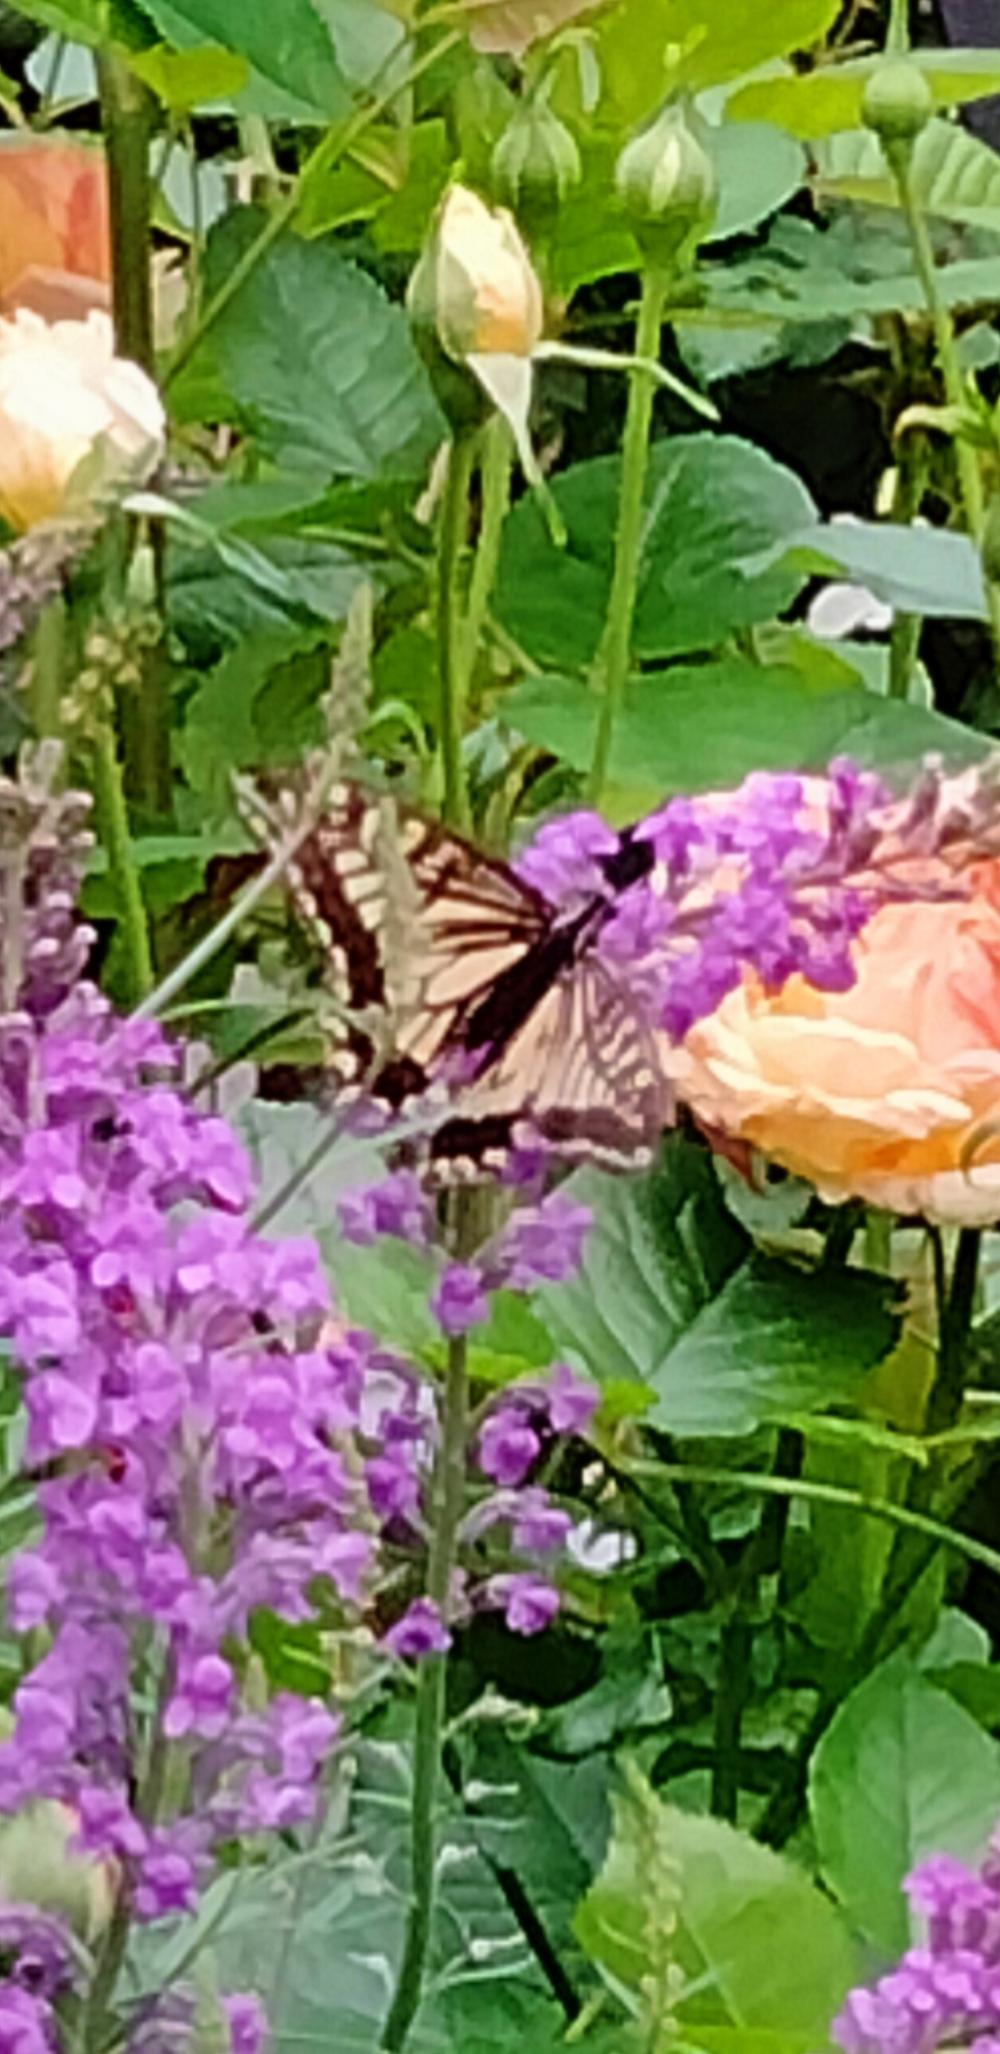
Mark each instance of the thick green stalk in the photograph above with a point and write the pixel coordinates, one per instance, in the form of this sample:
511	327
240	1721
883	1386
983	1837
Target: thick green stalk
897	41
113	826
899	158
127	117
451	629
904	640
48	667
612	666
495	451
447	1500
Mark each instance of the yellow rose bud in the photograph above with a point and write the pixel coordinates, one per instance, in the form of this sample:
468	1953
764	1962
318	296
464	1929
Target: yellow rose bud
75	420
475	282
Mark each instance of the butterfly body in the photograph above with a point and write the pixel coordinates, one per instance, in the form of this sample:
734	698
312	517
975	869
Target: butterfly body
500	1002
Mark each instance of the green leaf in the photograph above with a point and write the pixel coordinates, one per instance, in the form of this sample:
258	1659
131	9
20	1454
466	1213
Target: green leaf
819	102
669	1294
93	22
317	362
287	48
714	505
184	79
733	1898
952	173
902	1772
702	727
659	1249
545	1821
917	569
719	40
804	276
776	1340
758	168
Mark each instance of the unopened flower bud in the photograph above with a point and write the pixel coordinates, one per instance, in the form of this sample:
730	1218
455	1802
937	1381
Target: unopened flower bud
897	102
536	163
666	181
475	282
473	295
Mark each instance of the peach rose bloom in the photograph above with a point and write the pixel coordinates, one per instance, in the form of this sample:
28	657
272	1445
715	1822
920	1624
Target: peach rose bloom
55	250
888	1092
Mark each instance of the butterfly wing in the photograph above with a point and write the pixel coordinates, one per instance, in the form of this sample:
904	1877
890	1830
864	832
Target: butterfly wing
414	922
489	992
584	1073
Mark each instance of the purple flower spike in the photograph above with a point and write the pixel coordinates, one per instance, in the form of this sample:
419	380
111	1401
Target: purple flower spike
247	2023
460	1301
421	1631
508	1445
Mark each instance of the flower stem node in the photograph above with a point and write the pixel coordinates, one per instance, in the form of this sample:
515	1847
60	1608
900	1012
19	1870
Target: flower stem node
666	182
536	165
898	102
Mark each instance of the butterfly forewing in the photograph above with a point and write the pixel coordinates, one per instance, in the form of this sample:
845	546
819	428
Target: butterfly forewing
468	921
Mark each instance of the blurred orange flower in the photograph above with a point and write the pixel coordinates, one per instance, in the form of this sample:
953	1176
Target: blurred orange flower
888	1092
55	252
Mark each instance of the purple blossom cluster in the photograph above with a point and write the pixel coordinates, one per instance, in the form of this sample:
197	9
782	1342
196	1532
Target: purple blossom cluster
205	1442
947	1991
541	1242
778	876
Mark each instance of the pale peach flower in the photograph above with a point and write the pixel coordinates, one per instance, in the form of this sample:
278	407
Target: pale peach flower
888	1092
75	419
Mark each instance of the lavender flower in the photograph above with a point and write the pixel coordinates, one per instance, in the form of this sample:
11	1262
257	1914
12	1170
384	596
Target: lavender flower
508	1446
421	1631
459	1300
946	1991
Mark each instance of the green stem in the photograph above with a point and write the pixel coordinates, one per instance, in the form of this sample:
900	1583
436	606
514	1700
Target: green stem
955	1309
96	2020
48	667
616	646
112	815
447	1500
451	633
761	1559
128	112
899	159
897	40
494	482
334	145
904	639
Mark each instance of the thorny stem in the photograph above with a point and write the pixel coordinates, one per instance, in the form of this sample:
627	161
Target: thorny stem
127	115
899	159
113	823
616	646
334	145
451	631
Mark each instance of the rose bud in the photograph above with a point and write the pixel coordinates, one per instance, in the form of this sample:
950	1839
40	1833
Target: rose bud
666	182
